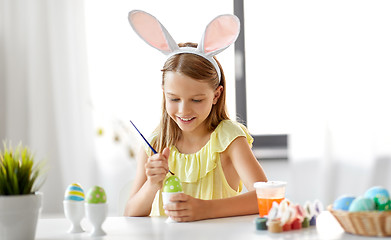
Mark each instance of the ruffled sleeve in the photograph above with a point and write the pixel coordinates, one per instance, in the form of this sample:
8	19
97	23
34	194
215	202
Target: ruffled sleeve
227	132
190	168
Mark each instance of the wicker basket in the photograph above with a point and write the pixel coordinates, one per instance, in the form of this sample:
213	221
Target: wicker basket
371	223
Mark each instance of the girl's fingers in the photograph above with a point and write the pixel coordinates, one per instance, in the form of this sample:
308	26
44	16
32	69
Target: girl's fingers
184	208
166	152
179	213
156	168
182	219
156	164
157	178
155	171
179	197
160	156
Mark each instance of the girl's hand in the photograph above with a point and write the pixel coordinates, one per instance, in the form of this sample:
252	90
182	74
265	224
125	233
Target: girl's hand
185	208
156	168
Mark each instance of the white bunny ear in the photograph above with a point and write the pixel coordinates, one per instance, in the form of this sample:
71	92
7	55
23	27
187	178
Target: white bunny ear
152	31
220	33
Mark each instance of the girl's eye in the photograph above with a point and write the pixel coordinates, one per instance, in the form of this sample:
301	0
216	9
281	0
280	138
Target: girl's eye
197	100
174	99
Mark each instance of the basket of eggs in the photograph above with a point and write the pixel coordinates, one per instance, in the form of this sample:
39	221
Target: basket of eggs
368	215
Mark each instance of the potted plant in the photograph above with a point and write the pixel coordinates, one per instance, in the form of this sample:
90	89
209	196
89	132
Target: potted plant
20	203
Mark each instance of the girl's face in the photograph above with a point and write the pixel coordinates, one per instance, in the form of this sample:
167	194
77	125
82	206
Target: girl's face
188	101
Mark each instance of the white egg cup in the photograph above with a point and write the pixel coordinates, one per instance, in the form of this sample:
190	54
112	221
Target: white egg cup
74	212
166	200
96	213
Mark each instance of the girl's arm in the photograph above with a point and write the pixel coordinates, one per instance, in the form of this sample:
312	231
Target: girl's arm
248	168
245	163
249	171
150	174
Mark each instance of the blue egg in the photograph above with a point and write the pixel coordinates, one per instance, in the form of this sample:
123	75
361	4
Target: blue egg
343	202
361	204
380	195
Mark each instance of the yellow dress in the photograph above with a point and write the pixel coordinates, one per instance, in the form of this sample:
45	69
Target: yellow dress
201	173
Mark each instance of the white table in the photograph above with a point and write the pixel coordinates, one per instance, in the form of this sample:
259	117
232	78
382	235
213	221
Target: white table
237	228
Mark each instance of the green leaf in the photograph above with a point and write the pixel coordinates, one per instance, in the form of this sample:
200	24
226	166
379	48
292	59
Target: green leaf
18	171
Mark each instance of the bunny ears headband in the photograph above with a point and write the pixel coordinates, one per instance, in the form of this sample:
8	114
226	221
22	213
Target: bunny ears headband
219	34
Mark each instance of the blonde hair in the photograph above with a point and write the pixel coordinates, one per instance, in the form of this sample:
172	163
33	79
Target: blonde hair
199	68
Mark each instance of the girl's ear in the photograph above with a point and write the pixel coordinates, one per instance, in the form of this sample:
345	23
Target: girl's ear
220	33
152	31
217	93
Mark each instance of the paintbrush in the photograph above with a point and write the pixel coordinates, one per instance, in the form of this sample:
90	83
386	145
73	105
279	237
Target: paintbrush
153	150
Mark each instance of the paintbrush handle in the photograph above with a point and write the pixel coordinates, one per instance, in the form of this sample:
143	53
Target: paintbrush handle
153	150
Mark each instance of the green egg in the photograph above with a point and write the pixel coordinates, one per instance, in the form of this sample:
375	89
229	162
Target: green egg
172	184
96	195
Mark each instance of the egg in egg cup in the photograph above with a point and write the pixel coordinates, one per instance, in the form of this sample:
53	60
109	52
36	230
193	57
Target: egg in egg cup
96	210
74	207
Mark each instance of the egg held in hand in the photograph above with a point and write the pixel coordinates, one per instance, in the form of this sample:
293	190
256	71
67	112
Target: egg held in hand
96	195
172	184
74	192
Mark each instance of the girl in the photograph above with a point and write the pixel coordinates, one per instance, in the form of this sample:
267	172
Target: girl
196	140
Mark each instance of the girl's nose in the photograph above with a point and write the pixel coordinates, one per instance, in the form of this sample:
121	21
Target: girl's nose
184	107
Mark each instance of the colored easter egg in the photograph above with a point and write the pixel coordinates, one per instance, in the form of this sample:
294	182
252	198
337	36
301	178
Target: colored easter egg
343	202
380	195
74	192
96	195
172	184
360	204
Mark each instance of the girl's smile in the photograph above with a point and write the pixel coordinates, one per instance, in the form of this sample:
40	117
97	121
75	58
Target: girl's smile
186	120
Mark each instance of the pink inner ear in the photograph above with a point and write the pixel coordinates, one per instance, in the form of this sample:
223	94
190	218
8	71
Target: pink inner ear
150	30
220	33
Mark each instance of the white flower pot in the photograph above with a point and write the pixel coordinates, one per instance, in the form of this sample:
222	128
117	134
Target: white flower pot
19	216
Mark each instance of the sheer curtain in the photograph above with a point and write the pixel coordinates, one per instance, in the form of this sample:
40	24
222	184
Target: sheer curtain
44	93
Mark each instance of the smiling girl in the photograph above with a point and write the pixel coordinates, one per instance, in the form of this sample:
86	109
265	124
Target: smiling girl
196	140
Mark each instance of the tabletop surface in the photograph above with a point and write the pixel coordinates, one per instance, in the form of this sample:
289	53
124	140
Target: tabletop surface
141	228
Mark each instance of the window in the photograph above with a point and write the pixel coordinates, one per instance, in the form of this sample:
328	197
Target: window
315	63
